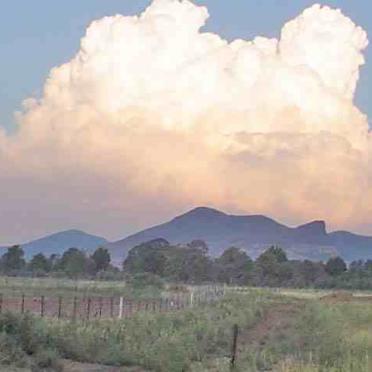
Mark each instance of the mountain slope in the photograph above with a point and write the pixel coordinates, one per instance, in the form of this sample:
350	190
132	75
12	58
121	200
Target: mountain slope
251	233
59	242
352	246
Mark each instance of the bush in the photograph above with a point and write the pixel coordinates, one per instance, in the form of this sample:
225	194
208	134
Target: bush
25	341
47	359
10	352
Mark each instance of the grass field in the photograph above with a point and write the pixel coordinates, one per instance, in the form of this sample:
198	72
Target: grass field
279	330
68	287
15	287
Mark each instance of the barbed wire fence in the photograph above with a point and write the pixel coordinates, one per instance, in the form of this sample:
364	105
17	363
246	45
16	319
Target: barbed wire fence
87	308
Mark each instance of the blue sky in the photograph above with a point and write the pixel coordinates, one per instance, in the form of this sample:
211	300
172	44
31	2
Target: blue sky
38	35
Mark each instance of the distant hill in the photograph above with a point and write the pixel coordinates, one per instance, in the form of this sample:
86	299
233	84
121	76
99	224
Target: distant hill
61	241
220	230
352	246
251	233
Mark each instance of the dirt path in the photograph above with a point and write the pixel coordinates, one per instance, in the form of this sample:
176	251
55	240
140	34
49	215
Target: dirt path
70	366
276	321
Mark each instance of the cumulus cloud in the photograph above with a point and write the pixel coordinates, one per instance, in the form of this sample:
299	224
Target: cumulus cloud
153	116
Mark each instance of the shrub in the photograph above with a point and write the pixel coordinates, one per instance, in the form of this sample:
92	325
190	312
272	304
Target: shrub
25	341
47	359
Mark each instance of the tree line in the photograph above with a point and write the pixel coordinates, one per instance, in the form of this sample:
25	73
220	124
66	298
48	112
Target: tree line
191	263
74	263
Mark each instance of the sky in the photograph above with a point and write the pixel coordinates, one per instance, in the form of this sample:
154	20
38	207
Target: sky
61	168
38	35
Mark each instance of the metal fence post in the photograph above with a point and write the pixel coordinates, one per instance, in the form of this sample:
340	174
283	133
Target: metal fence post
88	307
100	307
59	307
234	346
74	309
42	305
23	304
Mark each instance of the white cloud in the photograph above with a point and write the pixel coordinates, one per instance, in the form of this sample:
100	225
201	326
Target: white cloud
152	111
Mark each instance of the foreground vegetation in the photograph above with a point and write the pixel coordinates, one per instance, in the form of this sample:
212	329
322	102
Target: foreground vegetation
286	332
160	342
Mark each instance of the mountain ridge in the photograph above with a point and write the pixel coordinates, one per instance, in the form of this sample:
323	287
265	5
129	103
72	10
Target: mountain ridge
253	233
220	230
58	242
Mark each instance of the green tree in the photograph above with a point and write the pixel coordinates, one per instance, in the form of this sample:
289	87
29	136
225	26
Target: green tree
189	265
149	257
54	260
278	254
101	258
13	259
179	263
335	266
39	264
272	267
73	262
199	244
234	266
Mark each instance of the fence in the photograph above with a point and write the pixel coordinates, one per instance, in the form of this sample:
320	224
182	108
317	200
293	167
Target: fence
89	308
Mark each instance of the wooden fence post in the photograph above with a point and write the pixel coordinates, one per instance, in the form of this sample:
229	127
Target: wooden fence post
234	346
74	309
59	307
100	307
23	304
42	305
1	303
121	307
88	307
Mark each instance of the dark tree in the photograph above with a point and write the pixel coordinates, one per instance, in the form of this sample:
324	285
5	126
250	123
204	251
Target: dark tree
54	260
357	266
199	244
39	264
278	254
272	268
335	266
234	266
149	257
368	265
178	263
73	262
101	258
13	259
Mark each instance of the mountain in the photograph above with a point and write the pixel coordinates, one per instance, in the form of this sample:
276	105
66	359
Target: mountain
352	246
61	241
252	233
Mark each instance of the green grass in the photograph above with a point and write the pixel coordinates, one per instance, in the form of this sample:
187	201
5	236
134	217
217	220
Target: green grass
281	331
160	342
15	287
320	337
